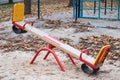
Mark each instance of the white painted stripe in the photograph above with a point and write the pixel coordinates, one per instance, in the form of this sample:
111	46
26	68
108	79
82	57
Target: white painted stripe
71	50
88	58
54	40
66	48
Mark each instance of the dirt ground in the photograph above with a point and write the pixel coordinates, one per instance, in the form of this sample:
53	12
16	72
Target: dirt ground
15	56
15	66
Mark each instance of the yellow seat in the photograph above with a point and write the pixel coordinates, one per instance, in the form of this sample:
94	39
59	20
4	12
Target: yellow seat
18	19
98	61
95	63
18	12
102	55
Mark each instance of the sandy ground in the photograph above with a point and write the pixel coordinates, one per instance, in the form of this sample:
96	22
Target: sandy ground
15	65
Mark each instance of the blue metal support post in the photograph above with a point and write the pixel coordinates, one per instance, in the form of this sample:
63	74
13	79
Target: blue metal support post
79	8
111	5
118	9
38	9
94	7
76	6
99	9
105	7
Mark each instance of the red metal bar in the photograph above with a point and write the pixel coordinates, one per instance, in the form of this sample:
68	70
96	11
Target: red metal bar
19	26
50	47
46	55
22	27
51	51
86	51
71	59
30	22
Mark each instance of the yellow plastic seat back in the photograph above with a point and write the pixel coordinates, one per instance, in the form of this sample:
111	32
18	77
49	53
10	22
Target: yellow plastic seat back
102	55
18	12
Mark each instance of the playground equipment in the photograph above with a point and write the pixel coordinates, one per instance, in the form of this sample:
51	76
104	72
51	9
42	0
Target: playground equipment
96	9
90	65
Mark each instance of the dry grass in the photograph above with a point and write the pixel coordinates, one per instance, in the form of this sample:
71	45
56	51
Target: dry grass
47	8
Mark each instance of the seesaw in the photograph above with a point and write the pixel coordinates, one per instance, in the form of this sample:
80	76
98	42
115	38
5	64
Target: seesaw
90	65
